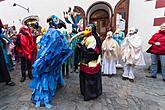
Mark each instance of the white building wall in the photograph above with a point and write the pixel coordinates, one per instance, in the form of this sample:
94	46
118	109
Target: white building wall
42	8
141	15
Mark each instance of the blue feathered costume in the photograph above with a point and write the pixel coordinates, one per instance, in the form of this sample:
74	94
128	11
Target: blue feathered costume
74	19
47	68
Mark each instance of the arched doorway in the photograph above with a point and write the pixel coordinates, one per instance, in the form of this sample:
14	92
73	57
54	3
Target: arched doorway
100	13
82	15
121	13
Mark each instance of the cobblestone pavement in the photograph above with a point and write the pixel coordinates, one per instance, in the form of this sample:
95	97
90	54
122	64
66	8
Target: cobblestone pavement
143	94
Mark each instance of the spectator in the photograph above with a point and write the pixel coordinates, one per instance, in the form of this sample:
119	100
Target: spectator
157	50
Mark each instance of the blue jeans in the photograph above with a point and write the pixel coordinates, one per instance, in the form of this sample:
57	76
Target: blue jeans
154	65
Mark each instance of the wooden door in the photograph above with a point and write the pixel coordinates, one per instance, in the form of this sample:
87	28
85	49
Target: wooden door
101	19
121	14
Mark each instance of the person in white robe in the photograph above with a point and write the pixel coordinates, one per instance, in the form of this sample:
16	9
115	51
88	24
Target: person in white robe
131	51
110	55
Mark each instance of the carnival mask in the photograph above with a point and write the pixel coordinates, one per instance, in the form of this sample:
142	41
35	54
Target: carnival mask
109	34
88	31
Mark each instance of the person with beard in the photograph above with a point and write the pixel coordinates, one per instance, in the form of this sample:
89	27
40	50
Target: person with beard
157	50
90	58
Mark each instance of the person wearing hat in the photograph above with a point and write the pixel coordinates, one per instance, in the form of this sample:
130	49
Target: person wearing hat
74	18
4	73
131	51
157	50
47	73
90	58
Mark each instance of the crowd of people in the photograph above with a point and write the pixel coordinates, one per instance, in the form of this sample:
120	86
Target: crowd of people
49	56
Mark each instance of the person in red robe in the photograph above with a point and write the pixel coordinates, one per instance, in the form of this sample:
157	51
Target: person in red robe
25	47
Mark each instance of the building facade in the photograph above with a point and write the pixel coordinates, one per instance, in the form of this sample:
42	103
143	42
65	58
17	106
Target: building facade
146	15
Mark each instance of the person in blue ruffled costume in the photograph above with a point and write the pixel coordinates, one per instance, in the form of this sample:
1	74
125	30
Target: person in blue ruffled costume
47	74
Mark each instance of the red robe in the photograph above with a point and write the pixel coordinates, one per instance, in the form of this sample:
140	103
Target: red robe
26	44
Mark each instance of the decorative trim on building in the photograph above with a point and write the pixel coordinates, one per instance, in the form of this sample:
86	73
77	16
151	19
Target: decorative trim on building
160	4
159	21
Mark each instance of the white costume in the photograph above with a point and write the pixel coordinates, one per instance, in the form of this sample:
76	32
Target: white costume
110	54
132	54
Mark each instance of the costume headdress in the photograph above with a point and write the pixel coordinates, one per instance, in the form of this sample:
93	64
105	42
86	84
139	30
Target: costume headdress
53	20
30	20
33	22
61	24
94	33
72	17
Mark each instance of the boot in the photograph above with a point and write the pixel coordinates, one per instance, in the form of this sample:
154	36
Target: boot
30	74
76	68
10	83
23	76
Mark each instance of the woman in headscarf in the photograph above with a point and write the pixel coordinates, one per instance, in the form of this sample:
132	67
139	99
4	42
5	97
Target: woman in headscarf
110	55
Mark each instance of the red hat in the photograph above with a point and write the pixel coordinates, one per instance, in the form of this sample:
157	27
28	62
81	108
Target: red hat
1	25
